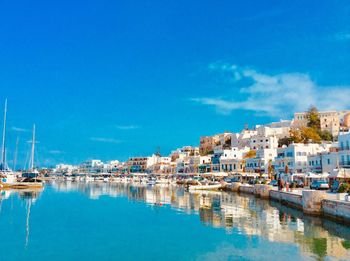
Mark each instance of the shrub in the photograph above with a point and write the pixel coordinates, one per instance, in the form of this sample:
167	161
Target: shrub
293	185
344	187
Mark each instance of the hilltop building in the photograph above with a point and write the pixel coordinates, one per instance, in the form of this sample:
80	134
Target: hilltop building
332	121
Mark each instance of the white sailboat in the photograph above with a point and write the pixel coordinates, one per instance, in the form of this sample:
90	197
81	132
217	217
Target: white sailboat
7	177
30	177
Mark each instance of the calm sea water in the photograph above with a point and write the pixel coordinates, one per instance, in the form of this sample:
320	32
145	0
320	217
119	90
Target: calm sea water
77	221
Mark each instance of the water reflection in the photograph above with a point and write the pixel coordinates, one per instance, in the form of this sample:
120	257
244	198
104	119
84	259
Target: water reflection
242	214
29	197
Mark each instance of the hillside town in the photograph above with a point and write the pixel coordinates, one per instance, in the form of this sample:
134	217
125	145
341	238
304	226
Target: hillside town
312	144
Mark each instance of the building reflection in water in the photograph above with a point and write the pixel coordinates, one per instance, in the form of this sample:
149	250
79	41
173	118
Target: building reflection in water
245	214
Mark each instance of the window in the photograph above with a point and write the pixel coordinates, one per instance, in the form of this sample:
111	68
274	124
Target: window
329	161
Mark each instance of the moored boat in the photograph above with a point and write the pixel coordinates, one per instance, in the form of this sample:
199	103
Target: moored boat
206	187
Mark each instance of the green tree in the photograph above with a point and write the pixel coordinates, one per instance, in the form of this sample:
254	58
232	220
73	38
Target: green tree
284	141
326	135
313	118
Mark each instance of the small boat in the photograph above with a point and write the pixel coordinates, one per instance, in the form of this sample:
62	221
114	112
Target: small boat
7	179
210	186
28	183
69	178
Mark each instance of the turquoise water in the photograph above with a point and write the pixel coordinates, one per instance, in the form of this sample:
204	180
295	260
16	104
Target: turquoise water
72	221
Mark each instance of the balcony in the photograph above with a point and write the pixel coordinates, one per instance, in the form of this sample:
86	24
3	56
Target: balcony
344	148
345	164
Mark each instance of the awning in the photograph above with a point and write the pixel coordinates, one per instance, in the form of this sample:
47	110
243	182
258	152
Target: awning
340	173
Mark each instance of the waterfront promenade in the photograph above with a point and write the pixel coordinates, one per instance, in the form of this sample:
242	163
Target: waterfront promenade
311	202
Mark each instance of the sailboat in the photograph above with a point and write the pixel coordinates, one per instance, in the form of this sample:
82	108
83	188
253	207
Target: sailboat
30	177
7	176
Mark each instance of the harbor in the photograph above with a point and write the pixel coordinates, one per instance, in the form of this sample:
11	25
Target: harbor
175	130
159	221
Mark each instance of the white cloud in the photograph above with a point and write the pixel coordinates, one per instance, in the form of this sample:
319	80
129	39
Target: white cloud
276	95
18	129
105	140
127	127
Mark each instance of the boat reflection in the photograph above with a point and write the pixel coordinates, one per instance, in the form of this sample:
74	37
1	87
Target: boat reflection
29	196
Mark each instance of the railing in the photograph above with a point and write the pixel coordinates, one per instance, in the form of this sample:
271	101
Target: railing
345	164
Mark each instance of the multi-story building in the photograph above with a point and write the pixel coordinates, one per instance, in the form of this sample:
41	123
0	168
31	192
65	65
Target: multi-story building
223	141
233	159
232	165
217	142
159	165
64	169
278	129
207	144
137	164
344	150
242	139
263	142
329	120
324	162
260	163
204	164
92	166
295	156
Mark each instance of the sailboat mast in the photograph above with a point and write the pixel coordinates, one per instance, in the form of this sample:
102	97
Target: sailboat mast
15	155
33	149
3	152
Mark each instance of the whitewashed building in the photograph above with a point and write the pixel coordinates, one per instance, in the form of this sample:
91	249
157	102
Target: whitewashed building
261	162
295	156
232	160
344	150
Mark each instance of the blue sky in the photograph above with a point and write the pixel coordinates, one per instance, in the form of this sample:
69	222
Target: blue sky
111	79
